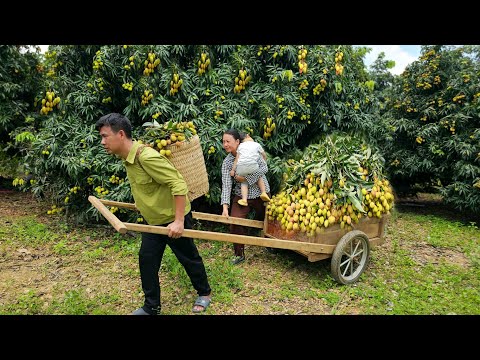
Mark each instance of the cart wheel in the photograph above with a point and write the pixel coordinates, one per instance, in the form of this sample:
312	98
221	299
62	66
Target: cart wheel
350	257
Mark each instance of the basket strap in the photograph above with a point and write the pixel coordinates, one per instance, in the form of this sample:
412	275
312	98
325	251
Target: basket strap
137	155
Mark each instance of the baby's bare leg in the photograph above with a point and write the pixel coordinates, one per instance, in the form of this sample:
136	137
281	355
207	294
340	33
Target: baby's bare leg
261	185
244	188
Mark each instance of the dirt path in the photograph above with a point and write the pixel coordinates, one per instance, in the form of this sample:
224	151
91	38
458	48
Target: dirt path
63	270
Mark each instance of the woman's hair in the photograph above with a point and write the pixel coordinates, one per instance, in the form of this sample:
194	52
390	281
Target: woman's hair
235	133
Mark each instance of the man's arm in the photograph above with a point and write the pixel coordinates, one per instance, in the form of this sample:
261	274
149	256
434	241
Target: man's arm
163	172
176	227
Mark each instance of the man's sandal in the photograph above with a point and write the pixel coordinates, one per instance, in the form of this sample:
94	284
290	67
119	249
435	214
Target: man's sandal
203	301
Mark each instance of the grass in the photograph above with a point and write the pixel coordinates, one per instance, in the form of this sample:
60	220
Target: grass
429	264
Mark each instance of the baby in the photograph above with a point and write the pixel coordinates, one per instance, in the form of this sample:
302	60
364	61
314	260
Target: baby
245	163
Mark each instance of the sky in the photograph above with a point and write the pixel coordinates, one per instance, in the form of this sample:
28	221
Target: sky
401	54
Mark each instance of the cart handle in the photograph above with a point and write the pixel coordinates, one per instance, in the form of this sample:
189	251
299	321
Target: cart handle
112	219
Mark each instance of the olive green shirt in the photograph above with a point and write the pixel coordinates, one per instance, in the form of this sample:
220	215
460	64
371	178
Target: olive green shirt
154	186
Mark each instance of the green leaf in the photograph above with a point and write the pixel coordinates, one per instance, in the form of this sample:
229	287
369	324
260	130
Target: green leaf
356	202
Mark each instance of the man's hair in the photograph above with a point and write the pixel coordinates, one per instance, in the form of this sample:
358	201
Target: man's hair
117	122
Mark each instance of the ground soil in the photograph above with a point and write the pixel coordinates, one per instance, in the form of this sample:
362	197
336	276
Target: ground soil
40	269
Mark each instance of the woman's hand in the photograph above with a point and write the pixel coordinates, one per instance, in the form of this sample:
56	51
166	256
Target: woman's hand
232	172
239	178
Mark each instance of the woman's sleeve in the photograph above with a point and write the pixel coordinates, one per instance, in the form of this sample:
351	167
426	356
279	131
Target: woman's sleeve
226	184
262	170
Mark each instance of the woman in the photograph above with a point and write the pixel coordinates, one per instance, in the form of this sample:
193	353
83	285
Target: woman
231	140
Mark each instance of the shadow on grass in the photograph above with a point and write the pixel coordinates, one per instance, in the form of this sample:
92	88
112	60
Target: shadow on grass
439	209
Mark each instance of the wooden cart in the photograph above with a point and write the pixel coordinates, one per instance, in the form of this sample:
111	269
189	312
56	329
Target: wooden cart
348	248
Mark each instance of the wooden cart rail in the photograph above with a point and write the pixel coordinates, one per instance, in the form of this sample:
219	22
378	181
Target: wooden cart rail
349	249
196	215
123	227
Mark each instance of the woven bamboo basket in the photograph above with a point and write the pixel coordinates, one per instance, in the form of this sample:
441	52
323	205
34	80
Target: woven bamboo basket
187	157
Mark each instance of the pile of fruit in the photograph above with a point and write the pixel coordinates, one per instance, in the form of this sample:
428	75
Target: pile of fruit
337	181
160	136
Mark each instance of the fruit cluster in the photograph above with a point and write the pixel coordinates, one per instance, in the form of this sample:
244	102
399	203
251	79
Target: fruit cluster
303	84
97	62
279	53
218	113
146	97
320	87
54	210
101	191
175	84
49	102
302	64
128	86
264	48
268	128
129	65
203	63
74	189
46	151
279	100
241	81
338	65
115	179
150	64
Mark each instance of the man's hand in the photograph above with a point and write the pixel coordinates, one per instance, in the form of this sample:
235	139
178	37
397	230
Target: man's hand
176	229
225	212
232	172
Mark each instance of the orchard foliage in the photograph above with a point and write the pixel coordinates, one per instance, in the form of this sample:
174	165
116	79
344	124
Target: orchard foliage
20	80
433	112
284	96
